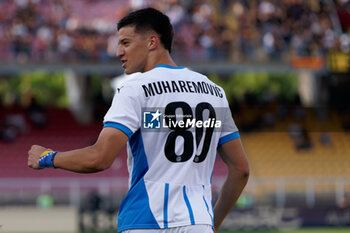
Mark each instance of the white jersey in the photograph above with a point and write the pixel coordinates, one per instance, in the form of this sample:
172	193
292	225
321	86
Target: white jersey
175	119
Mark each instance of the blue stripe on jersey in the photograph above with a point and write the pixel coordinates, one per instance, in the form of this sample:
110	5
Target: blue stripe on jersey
140	165
169	66
119	126
228	137
188	204
166	196
134	211
206	204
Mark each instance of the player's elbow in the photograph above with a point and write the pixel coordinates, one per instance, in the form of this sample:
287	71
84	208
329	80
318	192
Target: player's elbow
96	162
99	164
92	165
245	172
241	171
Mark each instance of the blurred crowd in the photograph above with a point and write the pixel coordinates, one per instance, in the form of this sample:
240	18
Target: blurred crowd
16	120
236	30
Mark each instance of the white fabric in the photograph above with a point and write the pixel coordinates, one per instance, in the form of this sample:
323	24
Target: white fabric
170	193
184	229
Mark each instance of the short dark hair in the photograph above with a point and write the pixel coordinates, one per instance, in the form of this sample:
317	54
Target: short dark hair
150	19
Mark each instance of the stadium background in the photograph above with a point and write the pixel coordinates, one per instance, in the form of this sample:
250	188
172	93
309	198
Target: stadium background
283	64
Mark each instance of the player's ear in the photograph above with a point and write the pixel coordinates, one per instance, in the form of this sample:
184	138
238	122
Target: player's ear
153	41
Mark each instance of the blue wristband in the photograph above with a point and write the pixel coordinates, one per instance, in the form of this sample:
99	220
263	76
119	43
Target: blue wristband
46	159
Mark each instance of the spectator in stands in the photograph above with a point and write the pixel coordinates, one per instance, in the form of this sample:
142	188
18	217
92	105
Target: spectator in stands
56	30
300	137
8	133
325	139
36	114
303	142
343	10
12	126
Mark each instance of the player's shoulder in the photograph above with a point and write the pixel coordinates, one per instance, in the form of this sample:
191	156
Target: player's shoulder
127	85
165	71
201	78
132	79
139	78
204	78
181	72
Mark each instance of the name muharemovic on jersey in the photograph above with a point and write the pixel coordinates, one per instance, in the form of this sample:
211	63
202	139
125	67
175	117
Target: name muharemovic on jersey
160	87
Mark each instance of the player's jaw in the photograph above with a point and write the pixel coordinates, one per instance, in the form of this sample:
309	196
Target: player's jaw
128	67
134	63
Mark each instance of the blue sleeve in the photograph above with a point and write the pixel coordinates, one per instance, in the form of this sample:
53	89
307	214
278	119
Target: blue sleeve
228	137
119	126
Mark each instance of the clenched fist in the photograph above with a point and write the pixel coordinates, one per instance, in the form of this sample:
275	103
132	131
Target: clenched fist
34	155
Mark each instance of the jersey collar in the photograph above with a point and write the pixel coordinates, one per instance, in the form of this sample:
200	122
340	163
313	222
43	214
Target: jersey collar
168	66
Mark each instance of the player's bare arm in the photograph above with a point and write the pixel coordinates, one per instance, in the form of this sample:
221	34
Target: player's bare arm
235	158
90	159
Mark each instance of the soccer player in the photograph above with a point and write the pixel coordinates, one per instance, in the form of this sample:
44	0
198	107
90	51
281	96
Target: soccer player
173	121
